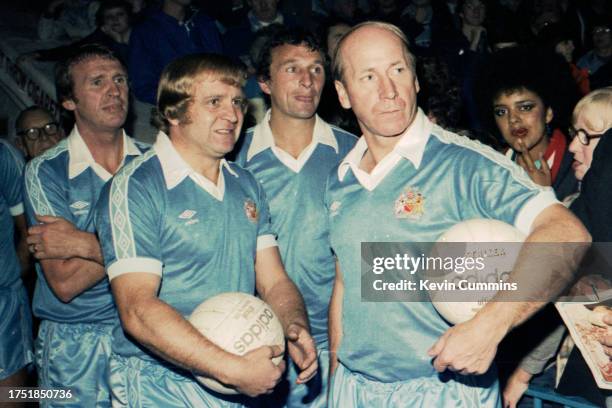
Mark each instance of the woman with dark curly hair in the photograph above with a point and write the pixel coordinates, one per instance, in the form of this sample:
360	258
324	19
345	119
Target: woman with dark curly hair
527	103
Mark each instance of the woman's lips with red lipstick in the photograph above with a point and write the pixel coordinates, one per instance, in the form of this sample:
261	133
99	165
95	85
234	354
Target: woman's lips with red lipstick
520	132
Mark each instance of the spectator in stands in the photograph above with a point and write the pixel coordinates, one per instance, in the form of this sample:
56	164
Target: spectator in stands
558	39
524	103
601	53
429	27
113	20
173	31
237	39
37	131
473	14
72	19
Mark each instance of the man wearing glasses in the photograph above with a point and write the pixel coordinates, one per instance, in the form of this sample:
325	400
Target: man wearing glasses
72	296
37	131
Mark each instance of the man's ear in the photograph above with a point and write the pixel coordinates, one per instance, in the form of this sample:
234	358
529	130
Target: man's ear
69	104
264	85
21	146
342	95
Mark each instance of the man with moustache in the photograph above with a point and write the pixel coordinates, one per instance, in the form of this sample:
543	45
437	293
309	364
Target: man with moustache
180	225
291	153
404	354
72	296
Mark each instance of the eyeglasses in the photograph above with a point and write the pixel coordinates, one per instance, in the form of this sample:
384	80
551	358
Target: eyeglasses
582	135
50	129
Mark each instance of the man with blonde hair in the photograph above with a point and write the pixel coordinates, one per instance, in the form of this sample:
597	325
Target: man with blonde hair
185	214
403	353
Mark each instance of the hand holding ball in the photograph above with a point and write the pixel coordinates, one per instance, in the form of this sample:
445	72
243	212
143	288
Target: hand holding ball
238	323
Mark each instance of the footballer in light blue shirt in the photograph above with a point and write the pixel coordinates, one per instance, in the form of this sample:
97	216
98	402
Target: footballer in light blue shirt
409	180
72	296
181	224
16	324
291	152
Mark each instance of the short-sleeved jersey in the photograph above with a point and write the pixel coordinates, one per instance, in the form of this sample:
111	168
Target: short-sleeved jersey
65	182
434	179
11	205
159	216
297	208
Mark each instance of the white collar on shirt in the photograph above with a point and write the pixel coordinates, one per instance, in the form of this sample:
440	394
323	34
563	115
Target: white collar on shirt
263	139
411	146
175	168
81	158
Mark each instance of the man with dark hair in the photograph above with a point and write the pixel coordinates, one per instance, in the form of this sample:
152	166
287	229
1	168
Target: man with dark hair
72	296
180	225
291	153
37	131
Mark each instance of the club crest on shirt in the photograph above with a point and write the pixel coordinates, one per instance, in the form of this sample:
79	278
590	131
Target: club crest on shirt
250	209
410	204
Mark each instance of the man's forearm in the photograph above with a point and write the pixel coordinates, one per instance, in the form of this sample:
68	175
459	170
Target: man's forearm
69	278
165	332
287	303
546	266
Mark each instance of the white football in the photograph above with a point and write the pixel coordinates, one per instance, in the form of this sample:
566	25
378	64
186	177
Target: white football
238	323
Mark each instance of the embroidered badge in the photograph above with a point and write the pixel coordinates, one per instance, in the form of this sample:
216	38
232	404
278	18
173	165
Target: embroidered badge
410	204
250	209
334	208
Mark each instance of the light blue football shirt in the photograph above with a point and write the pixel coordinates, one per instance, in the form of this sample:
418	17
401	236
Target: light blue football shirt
295	190
160	216
11	205
65	182
455	179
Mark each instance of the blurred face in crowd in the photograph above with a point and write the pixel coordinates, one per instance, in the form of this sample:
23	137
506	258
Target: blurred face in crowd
117	20
602	37
379	82
296	81
100	90
214	118
589	122
333	37
521	115
265	10
566	49
473	12
38	132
